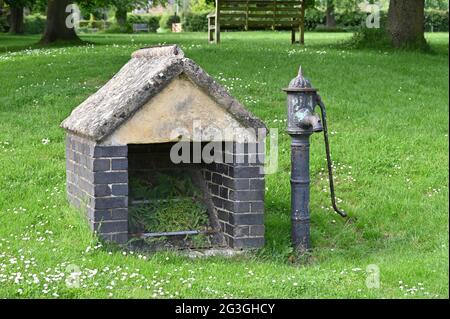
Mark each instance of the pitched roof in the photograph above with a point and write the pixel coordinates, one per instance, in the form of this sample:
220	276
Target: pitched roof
143	77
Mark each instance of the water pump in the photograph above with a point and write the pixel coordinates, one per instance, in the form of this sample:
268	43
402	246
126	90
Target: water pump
302	122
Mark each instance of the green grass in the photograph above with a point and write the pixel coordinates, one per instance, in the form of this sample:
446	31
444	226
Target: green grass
388	117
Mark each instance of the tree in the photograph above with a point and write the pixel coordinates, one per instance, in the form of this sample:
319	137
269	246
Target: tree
330	19
56	27
16	20
405	23
123	6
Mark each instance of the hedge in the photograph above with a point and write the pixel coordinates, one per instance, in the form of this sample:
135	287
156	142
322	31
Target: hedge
34	24
436	21
151	20
166	21
195	22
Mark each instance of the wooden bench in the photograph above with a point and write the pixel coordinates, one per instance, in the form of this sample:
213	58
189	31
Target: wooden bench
257	15
140	27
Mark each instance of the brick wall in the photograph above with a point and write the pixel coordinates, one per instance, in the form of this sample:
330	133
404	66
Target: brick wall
237	188
97	181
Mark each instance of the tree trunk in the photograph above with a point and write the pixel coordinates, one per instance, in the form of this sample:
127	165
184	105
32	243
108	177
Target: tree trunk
16	25
56	27
406	23
121	17
330	19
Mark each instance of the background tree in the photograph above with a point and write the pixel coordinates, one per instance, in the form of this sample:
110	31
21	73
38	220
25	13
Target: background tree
16	17
56	27
330	19
123	6
406	23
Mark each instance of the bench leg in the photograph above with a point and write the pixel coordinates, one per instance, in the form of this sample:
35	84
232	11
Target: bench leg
217	34
292	36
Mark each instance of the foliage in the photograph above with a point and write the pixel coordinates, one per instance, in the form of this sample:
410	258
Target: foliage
436	5
201	6
4	24
34	24
169	216
313	18
151	20
195	22
174	204
166	21
436	20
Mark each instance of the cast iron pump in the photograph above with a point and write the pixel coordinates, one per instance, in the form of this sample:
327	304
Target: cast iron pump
302	100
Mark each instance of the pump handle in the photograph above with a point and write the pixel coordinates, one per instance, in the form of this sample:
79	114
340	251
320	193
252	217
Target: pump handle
327	150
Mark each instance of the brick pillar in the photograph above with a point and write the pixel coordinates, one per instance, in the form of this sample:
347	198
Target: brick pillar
237	189
97	181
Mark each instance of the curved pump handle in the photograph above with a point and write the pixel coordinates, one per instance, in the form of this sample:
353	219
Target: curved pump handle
327	150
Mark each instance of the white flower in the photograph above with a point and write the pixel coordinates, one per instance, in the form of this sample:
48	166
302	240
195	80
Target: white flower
45	141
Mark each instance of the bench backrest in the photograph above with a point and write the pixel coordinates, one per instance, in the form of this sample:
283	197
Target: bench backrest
259	14
140	26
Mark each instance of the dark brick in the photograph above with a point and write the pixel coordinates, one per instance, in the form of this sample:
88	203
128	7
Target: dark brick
120	189
110	151
119	238
214	189
104	215
257	207
102	190
247	242
217	201
109	202
241	231
120	164
111	226
241	207
222	215
216	179
228	204
207	175
257	230
247	195
257	184
246	219
222	168
223	191
119	213
229	229
110	177
245	171
228	182
101	164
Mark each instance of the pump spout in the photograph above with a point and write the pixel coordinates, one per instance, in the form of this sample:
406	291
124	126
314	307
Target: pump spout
311	120
316	123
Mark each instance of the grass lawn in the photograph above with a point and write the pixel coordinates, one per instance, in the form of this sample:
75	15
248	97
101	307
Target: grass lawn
388	116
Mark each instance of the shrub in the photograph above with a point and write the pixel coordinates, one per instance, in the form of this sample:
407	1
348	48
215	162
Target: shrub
436	20
4	25
151	20
195	22
34	24
324	28
313	18
166	21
